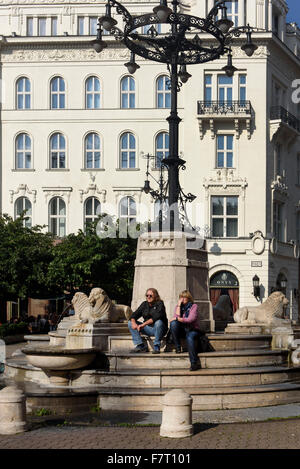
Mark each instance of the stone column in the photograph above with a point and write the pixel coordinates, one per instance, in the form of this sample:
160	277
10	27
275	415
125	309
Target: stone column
12	411
270	16
281	27
171	263
177	414
251	13
241	10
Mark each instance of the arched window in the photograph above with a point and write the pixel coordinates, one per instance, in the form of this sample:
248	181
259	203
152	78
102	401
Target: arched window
163	93
127	93
57	217
57	91
23	151
127	209
161	148
92	151
92	93
92	210
128	151
23	93
57	151
23	204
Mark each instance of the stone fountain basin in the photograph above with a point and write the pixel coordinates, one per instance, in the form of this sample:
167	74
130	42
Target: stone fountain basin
59	358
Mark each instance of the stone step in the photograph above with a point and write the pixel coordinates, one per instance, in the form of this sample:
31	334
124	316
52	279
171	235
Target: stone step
219	342
210	398
222	359
180	378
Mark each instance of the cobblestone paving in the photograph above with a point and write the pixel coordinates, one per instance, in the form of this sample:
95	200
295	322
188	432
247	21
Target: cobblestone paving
275	434
284	434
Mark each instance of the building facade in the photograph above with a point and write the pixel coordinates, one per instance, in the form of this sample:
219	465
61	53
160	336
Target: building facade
75	128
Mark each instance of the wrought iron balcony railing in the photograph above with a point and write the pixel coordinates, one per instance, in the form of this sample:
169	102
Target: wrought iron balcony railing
280	113
224	107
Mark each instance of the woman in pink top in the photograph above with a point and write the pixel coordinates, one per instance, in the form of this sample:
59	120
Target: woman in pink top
185	323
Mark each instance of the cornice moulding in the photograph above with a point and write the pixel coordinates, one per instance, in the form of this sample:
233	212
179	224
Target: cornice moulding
64	2
60	53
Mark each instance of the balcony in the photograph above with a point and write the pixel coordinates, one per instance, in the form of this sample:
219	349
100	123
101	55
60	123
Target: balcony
223	108
213	112
284	123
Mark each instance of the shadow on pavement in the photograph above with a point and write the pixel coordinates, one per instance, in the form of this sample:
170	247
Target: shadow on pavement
202	427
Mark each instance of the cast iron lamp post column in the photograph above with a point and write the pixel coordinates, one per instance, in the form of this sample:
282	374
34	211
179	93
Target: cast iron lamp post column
177	48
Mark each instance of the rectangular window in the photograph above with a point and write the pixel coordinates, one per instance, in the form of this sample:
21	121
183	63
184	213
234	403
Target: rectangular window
80	25
275	25
242	89
278	227
54	26
93	25
225	151
233	11
225	89
29	27
224	216
207	89
42	26
278	158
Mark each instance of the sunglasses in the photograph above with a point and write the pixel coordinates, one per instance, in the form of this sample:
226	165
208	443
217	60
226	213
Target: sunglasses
149	296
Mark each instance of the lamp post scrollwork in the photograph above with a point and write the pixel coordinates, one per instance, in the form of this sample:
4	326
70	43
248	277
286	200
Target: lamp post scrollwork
180	47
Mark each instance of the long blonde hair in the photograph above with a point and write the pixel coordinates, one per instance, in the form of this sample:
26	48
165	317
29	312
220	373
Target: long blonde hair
186	294
155	293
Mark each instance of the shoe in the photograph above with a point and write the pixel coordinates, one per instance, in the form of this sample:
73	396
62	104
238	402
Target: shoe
194	367
156	349
141	348
178	350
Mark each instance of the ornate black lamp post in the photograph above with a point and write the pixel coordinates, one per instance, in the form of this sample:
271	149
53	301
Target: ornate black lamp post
179	47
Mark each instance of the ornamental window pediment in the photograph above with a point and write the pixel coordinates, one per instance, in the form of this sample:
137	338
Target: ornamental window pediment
23	191
225	179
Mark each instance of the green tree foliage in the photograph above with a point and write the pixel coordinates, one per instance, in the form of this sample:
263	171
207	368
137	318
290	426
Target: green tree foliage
85	260
34	264
24	256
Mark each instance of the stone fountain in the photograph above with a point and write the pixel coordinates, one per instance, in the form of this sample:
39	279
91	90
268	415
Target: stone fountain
52	371
250	364
83	339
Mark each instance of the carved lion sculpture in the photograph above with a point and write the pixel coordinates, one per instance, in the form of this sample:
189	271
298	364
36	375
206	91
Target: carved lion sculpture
104	310
98	307
82	307
222	311
269	312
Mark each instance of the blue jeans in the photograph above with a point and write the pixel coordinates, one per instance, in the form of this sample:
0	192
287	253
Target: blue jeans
178	330
158	330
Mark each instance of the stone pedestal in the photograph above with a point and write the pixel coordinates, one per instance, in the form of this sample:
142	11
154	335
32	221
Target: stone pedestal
281	331
171	263
177	414
84	336
247	329
282	337
12	411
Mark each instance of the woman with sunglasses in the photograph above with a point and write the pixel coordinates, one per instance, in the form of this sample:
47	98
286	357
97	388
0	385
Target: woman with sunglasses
155	322
185	323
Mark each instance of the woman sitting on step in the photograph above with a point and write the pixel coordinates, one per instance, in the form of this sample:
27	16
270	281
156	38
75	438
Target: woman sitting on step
155	322
185	323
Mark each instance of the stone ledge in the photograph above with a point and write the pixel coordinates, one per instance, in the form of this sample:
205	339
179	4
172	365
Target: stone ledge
13	339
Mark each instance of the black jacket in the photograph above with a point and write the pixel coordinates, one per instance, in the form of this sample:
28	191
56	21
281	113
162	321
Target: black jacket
154	312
